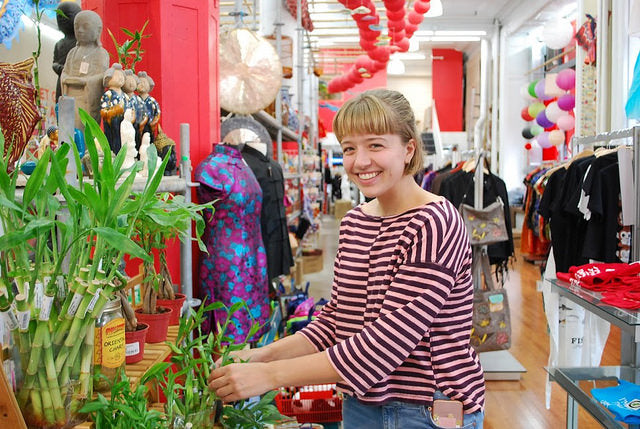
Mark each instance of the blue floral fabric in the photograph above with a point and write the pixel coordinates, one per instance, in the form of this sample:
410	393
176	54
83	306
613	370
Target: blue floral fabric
236	266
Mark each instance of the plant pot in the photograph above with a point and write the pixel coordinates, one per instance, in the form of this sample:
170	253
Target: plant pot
176	305
135	343
158	323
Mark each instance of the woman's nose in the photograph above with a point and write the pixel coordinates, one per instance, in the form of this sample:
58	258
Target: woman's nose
362	158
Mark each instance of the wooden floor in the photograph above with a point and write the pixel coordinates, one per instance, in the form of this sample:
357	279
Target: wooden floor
509	404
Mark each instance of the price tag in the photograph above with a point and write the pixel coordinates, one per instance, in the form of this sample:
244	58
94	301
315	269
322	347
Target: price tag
38	295
11	320
75	303
23	320
62	288
45	311
132	349
93	301
84	67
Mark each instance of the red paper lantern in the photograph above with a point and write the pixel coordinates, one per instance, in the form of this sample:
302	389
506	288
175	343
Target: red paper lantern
403	45
380	53
394	5
396	15
349	4
410	28
369	35
396	25
363	62
398	35
367	45
415	18
421	6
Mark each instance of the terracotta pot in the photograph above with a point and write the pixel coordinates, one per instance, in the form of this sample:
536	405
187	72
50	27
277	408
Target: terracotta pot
158	323
174	304
135	343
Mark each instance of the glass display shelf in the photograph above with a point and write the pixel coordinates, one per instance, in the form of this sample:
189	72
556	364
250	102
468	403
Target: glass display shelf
627	320
578	382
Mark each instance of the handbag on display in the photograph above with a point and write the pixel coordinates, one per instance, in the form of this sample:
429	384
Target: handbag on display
491	325
485	226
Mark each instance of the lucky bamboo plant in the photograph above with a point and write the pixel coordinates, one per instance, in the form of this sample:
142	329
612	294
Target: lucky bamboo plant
52	310
189	401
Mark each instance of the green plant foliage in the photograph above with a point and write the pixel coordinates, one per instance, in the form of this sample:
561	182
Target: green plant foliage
130	52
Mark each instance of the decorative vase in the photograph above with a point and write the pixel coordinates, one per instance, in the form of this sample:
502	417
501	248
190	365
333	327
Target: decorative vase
135	343
176	305
158	323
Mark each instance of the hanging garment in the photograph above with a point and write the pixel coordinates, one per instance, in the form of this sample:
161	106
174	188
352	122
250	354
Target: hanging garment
236	266
273	219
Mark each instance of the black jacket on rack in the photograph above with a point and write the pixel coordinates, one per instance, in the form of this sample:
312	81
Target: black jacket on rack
459	185
273	220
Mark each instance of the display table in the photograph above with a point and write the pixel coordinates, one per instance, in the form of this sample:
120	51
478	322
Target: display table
570	378
153	354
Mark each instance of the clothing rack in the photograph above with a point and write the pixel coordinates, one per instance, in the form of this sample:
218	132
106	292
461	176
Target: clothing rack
608	137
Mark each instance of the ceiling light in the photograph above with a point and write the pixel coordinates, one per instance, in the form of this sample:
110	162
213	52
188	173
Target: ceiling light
460	33
423	33
435	10
395	67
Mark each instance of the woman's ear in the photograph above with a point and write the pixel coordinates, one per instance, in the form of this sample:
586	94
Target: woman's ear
410	149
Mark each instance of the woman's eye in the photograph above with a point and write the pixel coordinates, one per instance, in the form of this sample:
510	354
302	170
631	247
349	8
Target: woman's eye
347	150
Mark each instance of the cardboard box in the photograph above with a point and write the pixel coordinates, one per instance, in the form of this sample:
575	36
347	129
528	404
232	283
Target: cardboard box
312	263
341	208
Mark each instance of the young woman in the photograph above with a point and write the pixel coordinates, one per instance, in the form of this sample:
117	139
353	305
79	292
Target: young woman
395	335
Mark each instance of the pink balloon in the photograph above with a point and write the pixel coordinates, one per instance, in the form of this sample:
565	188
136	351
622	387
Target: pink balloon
566	122
415	18
543	140
566	79
567	102
540	92
421	6
556	137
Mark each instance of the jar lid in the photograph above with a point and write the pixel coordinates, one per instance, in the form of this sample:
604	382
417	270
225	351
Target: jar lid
113	304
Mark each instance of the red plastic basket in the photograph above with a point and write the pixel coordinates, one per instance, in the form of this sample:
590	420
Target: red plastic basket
311	404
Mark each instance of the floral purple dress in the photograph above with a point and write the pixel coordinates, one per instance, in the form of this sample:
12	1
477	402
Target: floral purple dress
236	266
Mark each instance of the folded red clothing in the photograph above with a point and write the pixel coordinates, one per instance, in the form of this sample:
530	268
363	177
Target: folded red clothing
601	273
620	300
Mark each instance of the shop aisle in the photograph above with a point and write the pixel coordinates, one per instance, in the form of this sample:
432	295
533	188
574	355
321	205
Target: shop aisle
509	404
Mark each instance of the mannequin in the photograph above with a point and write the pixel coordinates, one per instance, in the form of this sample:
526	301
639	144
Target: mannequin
112	105
236	263
83	70
273	219
63	46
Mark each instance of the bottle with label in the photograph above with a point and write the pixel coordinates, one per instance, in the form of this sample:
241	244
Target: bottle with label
109	345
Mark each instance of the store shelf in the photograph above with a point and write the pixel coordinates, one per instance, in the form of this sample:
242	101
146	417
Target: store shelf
578	382
273	126
291	176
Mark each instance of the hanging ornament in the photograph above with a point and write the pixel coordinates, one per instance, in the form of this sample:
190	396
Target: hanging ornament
557	33
403	45
394	5
415	18
396	15
421	6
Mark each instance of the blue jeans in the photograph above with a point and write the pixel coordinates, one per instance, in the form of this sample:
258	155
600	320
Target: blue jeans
397	415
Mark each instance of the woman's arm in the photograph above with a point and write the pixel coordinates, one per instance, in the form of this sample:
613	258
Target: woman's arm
244	380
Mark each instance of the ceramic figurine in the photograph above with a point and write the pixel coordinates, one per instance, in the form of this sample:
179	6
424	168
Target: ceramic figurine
112	105
144	146
84	68
63	46
133	101
145	86
128	139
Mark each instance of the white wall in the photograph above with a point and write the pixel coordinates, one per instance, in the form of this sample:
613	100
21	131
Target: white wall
417	90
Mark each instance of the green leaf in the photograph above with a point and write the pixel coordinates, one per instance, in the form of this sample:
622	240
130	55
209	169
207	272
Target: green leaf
155	372
127	32
12	239
122	194
34	184
119	241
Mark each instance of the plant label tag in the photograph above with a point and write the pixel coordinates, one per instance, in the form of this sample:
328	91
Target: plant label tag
84	67
62	289
75	303
38	294
11	320
132	349
45	311
93	301
23	320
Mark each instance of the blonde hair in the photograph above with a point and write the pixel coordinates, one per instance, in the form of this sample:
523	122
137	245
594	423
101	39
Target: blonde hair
380	111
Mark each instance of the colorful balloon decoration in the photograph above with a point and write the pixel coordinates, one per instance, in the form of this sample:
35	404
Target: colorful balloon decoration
553	112
536	129
532	89
540	92
566	122
526	133
543	140
543	121
556	137
524	92
566	79
527	146
524	114
567	102
535	108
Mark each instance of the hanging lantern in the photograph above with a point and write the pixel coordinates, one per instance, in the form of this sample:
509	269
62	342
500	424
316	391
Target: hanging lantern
410	28
396	15
415	18
421	6
398	35
524	114
566	122
395	25
369	35
394	5
403	45
567	102
557	33
380	54
566	79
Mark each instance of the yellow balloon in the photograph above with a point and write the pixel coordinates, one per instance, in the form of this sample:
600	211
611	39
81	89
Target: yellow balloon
556	137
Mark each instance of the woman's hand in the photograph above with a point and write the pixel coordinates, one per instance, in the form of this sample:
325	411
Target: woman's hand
241	380
246	355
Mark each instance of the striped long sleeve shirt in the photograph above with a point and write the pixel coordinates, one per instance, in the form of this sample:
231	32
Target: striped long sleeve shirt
398	324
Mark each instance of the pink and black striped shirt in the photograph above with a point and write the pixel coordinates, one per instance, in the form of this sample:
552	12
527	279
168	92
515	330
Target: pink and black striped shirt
398	323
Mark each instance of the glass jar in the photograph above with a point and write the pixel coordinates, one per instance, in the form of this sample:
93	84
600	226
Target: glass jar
109	345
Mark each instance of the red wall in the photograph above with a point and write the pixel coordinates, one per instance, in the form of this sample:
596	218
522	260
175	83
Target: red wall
182	58
447	88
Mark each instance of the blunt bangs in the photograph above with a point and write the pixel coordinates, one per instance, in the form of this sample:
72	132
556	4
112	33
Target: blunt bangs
364	115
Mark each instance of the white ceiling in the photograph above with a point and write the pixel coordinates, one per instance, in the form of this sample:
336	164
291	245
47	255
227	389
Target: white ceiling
329	16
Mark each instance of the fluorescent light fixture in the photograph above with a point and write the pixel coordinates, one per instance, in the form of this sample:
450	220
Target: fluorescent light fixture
336	31
423	33
435	10
460	33
414	45
409	56
395	67
337	40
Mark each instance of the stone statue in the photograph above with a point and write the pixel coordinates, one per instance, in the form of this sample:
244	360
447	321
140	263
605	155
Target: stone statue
145	86
134	102
83	70
144	146
63	46
112	105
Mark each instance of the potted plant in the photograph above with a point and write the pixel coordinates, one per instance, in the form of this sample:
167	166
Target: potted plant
162	219
126	407
189	401
51	310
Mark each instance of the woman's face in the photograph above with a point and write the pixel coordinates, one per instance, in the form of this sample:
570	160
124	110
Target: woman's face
130	84
143	86
376	163
117	80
